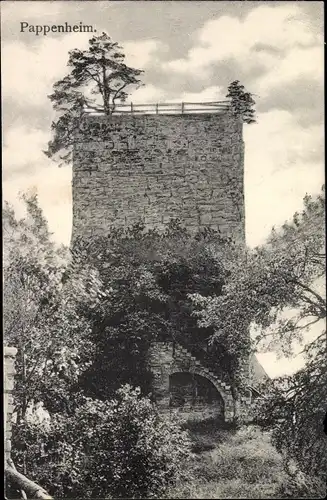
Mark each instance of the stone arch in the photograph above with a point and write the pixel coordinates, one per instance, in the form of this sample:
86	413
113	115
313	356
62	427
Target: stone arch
167	358
208	401
194	389
202	373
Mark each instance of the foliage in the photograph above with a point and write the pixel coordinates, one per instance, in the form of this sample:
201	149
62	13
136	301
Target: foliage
242	102
73	445
98	73
278	288
149	277
41	317
115	449
240	464
123	291
69	106
294	408
280	276
296	405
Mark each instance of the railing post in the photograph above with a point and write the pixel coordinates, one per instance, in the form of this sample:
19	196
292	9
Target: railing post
131	107
182	108
157	108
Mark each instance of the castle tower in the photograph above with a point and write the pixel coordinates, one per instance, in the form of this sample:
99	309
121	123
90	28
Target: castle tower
132	167
156	167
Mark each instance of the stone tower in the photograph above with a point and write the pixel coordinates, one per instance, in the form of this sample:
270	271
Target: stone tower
153	168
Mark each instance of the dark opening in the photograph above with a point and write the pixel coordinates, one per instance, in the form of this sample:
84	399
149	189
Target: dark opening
188	389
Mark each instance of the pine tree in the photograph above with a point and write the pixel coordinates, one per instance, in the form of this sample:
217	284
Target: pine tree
98	79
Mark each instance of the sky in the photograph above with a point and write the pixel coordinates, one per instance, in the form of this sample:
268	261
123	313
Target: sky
189	51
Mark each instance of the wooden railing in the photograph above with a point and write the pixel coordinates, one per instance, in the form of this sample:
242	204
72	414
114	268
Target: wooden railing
175	108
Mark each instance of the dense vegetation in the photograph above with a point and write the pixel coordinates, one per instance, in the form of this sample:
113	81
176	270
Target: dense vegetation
150	280
239	463
280	287
121	448
80	320
76	445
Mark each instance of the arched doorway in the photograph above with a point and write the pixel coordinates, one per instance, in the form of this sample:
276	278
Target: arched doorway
195	395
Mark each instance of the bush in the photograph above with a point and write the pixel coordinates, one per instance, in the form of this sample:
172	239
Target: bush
114	449
302	486
293	410
243	464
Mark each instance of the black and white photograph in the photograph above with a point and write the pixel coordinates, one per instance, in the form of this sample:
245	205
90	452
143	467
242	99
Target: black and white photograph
163	223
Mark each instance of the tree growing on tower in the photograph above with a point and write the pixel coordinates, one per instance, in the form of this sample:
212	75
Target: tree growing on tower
242	102
98	79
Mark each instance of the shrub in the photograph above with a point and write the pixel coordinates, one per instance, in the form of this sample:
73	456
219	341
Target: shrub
120	448
243	464
301	485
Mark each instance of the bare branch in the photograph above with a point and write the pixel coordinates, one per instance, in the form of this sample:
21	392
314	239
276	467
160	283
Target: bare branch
309	290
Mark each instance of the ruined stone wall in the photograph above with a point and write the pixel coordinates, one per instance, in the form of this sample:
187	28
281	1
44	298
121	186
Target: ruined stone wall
154	168
9	373
158	167
166	360
195	396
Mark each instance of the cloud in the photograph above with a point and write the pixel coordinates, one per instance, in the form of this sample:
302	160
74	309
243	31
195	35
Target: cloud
30	11
53	186
211	93
276	366
303	98
142	53
22	149
147	94
29	72
298	64
286	28
270	55
283	162
231	38
25	167
152	94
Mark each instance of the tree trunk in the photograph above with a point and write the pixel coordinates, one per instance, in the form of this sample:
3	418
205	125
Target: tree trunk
106	108
32	489
22	492
105	91
24	402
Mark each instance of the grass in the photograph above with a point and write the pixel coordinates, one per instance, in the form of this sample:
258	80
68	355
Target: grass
230	463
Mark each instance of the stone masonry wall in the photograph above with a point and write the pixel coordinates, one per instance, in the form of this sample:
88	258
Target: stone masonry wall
166	359
157	167
154	168
9	372
195	396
